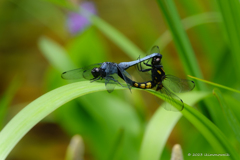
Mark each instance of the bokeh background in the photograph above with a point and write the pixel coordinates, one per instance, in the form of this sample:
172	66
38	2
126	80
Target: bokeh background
26	26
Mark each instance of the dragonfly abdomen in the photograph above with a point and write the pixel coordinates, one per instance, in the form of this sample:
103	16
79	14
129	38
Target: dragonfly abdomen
144	85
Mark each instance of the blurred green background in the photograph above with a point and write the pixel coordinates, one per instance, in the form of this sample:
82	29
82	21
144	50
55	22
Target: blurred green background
28	28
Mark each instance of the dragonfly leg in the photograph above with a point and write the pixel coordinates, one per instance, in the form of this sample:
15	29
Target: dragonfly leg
143	70
95	79
111	78
158	87
147	64
158	66
139	67
138	58
139	64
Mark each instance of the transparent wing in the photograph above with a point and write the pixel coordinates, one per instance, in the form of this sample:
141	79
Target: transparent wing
143	76
80	73
126	77
144	65
155	49
111	77
110	82
178	85
174	99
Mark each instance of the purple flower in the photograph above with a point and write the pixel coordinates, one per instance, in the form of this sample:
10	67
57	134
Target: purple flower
76	22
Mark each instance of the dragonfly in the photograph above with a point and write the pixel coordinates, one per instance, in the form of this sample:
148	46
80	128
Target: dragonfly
165	84
107	72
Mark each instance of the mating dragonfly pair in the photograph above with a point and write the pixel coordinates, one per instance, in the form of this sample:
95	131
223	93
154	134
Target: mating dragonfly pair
109	72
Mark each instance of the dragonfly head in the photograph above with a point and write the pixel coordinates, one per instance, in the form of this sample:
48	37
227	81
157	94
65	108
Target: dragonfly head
96	72
156	60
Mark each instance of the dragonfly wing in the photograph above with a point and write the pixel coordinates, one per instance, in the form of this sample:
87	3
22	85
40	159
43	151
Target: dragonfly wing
154	53
111	77
73	74
178	85
80	73
126	77
174	99
110	82
145	76
155	49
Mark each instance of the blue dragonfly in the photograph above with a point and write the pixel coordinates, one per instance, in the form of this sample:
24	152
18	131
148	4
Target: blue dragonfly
108	72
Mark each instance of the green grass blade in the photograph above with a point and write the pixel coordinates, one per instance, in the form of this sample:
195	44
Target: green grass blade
157	132
230	11
44	105
40	108
117	145
118	38
215	84
229	115
212	134
188	23
6	99
55	54
181	40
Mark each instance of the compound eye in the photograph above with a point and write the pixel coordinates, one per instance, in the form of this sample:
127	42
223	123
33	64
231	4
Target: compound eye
95	70
158	59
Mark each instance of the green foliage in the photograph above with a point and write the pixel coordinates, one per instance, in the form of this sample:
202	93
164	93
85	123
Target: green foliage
181	40
83	114
113	125
231	16
229	115
41	107
156	134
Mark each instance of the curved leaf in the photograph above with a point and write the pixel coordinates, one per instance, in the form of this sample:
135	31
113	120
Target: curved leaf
157	133
212	134
229	115
38	109
50	101
215	84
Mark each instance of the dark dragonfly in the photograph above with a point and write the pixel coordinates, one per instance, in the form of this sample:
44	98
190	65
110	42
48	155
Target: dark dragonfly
108	71
166	84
